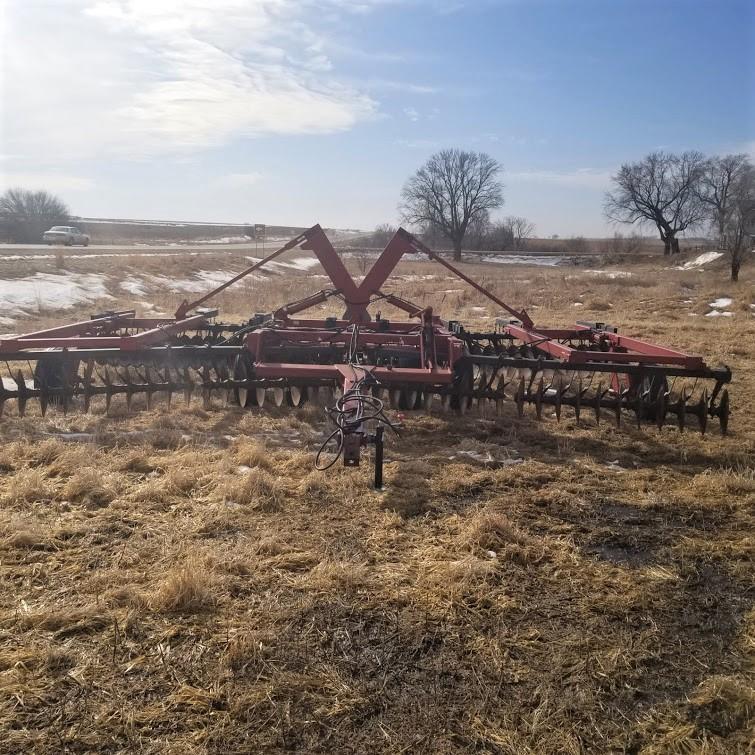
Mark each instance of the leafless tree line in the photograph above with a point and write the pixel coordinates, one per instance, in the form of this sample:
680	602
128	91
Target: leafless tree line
685	192
26	215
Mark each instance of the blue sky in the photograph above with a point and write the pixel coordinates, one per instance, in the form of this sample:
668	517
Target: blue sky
296	111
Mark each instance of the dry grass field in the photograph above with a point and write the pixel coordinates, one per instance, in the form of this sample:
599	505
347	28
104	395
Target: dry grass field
185	582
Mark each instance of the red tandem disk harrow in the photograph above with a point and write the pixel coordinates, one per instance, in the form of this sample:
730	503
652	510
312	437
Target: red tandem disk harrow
362	362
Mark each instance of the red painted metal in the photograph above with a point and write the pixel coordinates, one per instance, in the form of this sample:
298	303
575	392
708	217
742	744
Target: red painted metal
159	332
625	350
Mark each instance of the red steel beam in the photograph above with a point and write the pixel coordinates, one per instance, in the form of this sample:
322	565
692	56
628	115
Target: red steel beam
652	355
644	347
379	273
85	326
334	326
126	343
319	243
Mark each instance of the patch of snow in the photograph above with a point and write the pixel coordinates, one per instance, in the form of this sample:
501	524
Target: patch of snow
701	259
513	259
203	280
412	278
226	240
303	263
719	313
478	309
724	301
6	320
298	263
134	286
51	291
613	274
578	304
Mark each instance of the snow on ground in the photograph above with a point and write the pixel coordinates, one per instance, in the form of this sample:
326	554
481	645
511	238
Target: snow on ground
226	240
134	286
611	273
700	260
516	259
23	296
298	263
413	278
203	280
721	303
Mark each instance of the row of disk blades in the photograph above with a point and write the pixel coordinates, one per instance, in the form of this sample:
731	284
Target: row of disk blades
485	383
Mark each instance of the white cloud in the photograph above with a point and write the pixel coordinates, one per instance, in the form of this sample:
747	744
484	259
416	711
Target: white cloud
56	182
239	180
582	177
137	78
411	113
393	85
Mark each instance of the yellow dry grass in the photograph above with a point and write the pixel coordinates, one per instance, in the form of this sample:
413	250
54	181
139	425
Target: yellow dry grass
184	582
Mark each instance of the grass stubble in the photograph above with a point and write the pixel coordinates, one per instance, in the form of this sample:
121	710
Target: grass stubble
185	582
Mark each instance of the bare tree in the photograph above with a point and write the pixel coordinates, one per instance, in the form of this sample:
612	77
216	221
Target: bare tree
499	237
478	230
382	234
521	230
451	190
739	221
26	215
662	189
719	178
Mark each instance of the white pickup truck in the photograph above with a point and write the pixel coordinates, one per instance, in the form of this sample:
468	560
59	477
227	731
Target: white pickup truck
65	234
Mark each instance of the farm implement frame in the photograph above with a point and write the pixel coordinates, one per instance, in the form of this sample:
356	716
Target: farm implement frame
361	361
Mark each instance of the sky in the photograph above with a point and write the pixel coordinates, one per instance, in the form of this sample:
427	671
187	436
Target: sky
295	112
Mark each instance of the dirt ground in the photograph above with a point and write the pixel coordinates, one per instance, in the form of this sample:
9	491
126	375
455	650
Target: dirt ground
185	582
